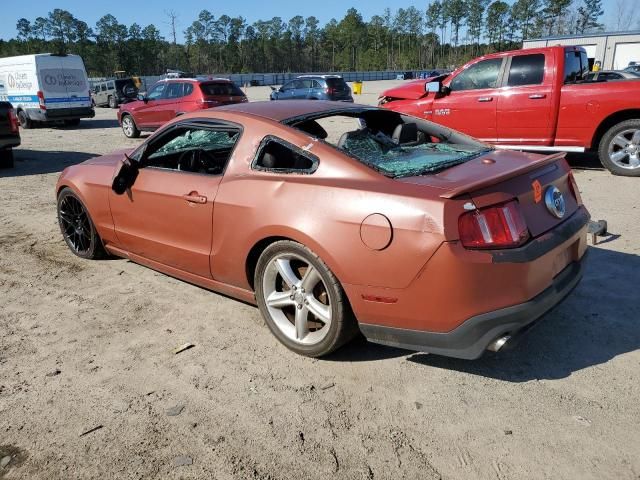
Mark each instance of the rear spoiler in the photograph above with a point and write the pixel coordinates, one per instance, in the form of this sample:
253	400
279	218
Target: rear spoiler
500	177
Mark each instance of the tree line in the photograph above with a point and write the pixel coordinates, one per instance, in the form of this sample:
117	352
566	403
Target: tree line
446	33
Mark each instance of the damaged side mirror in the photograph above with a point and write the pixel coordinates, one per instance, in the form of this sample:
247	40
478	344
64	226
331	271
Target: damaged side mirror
126	176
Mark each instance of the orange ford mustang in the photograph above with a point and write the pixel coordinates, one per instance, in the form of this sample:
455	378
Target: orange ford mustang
336	218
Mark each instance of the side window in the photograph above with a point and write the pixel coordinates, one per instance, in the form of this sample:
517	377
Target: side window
576	66
174	90
156	91
103	87
483	74
305	84
316	84
188	89
110	86
276	155
526	70
193	149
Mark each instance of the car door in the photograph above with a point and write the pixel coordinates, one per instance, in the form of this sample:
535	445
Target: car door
287	91
525	107
166	215
470	105
152	113
303	89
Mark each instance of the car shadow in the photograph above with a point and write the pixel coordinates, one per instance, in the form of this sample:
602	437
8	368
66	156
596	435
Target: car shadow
36	162
584	161
360	350
96	123
595	324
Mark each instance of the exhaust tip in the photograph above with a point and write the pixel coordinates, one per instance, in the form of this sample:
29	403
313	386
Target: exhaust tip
498	343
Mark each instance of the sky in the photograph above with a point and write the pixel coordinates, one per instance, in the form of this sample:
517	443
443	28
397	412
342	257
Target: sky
144	13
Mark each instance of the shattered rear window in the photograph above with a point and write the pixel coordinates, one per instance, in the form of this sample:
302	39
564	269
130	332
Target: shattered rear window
393	160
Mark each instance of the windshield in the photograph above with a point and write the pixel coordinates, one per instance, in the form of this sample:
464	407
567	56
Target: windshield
382	153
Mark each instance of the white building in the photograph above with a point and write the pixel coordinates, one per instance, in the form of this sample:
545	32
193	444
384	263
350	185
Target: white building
614	50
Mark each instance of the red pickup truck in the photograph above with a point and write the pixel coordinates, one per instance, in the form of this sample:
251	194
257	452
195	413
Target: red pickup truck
534	99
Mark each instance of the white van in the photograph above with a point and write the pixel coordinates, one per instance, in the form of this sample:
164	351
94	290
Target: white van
47	87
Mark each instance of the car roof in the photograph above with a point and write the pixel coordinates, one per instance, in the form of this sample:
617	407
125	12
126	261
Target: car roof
280	111
318	76
197	80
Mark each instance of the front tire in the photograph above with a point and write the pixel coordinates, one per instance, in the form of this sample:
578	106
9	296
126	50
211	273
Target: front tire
619	149
77	228
129	127
301	300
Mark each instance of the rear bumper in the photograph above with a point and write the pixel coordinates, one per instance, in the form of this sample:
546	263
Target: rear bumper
471	339
9	141
463	299
54	114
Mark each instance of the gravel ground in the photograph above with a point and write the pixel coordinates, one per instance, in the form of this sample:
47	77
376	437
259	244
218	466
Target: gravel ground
90	386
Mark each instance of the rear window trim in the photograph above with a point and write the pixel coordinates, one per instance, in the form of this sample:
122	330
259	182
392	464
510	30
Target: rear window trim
315	161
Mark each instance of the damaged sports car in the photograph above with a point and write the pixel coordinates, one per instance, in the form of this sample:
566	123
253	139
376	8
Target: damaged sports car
339	219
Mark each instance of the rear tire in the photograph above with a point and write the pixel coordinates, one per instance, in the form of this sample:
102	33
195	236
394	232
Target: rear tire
77	228
25	121
302	301
6	158
129	127
619	149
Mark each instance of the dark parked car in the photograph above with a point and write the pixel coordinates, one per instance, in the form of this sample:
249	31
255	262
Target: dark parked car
171	98
611	75
9	134
314	87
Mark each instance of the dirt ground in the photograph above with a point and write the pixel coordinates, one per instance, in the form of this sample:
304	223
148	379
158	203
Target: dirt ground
90	387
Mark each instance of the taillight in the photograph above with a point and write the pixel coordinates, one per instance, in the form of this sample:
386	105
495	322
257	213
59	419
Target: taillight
573	186
330	90
498	226
41	100
13	121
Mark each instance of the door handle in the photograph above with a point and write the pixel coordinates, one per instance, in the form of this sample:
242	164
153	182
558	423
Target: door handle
537	96
194	197
485	99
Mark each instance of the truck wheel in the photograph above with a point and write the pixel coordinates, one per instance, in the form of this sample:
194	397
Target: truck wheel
112	102
619	149
6	158
25	121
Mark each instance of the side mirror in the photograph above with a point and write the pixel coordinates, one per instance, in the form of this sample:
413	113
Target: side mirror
433	87
126	176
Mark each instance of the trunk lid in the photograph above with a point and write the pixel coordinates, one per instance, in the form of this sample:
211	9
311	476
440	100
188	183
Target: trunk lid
500	176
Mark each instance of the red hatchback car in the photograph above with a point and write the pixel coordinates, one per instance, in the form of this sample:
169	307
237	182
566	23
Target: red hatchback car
171	98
